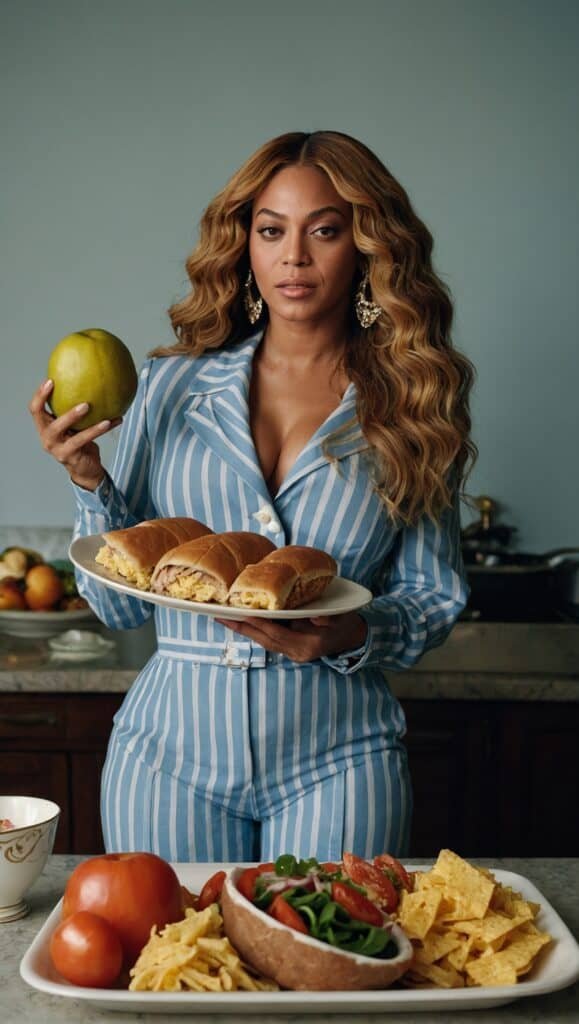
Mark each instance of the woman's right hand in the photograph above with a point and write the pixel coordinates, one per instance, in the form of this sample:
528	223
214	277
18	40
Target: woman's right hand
76	451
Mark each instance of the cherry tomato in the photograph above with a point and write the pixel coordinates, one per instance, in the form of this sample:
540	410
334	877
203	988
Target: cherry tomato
132	891
379	888
248	878
358	906
281	911
211	891
86	950
246	883
330	867
385	861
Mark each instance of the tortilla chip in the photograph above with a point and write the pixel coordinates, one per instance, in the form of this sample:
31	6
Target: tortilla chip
459	956
435	945
492	930
443	977
468	928
417	912
490	971
470	889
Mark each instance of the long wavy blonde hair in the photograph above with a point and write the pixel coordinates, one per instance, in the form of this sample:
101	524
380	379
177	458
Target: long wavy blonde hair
413	387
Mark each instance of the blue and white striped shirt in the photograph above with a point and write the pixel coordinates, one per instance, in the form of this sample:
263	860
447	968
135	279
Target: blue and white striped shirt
185	449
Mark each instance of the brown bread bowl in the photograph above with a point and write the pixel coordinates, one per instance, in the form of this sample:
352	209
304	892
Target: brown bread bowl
298	961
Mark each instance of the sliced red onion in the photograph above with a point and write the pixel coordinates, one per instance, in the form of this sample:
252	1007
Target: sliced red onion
280	884
321	885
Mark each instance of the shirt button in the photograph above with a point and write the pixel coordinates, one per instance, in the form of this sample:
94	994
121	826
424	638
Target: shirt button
230	653
263	515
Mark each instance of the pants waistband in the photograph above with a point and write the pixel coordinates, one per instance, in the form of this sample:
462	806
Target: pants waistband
229	653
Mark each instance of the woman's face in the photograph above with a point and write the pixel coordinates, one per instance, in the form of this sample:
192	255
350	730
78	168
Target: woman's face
301	232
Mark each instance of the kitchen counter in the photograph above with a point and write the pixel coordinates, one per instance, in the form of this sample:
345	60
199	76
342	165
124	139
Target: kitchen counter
500	661
555	878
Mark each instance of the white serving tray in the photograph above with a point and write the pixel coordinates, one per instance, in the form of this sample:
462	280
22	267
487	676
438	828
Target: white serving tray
556	967
341	596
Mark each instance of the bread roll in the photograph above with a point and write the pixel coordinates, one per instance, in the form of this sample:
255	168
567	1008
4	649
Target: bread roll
289	577
134	552
204	569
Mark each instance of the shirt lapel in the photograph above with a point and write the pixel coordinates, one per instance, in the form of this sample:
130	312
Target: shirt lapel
348	441
219	410
219	415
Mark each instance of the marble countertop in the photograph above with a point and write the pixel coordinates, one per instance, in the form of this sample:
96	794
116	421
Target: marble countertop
478	661
555	878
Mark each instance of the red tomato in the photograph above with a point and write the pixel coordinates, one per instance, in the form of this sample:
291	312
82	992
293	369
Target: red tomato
386	862
281	911
248	878
357	905
132	891
246	882
211	891
330	867
379	888
86	950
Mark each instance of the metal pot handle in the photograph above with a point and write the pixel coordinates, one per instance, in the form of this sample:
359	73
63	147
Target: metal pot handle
559	555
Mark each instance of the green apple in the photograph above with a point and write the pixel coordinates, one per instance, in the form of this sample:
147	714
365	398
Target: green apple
92	366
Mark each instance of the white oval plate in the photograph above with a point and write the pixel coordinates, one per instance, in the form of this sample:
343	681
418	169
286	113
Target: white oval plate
38	625
341	596
555	968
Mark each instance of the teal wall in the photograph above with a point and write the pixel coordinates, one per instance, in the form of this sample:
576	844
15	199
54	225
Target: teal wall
121	119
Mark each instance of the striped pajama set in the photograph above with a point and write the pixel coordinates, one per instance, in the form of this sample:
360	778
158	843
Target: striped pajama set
222	751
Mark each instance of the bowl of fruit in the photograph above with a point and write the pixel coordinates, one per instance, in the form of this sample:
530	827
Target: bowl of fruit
38	598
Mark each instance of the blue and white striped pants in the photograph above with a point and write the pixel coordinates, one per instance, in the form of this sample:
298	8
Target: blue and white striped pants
256	757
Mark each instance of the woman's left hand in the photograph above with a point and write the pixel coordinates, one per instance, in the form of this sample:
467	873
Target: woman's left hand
306	639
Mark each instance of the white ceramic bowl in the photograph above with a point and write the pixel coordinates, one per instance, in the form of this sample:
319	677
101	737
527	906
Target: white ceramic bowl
24	849
39	625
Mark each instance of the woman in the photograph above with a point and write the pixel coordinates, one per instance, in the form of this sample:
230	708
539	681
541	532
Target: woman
312	395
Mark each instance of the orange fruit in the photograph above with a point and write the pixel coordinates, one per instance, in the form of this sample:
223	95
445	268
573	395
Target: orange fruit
43	588
11	596
92	366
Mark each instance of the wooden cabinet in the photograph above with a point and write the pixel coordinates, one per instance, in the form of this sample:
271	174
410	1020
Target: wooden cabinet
539	764
34	773
446	748
54	745
494	779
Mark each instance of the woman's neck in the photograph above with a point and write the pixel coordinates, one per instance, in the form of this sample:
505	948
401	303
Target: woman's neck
302	346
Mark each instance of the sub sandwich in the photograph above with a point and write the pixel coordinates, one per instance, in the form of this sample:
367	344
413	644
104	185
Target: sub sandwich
288	577
134	552
204	569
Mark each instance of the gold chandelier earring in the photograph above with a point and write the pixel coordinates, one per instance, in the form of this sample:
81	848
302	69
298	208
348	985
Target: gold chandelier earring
366	310
253	307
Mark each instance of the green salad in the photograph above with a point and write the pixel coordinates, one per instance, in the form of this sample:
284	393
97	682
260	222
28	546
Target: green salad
322	901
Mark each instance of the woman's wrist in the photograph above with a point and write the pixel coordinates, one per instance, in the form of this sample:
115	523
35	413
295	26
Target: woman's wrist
89	483
361	631
356	634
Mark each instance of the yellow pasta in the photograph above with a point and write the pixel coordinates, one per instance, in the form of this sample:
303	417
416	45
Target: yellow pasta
195	955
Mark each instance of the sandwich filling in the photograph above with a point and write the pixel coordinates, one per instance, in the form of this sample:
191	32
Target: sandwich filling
302	592
189	585
254	599
120	564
